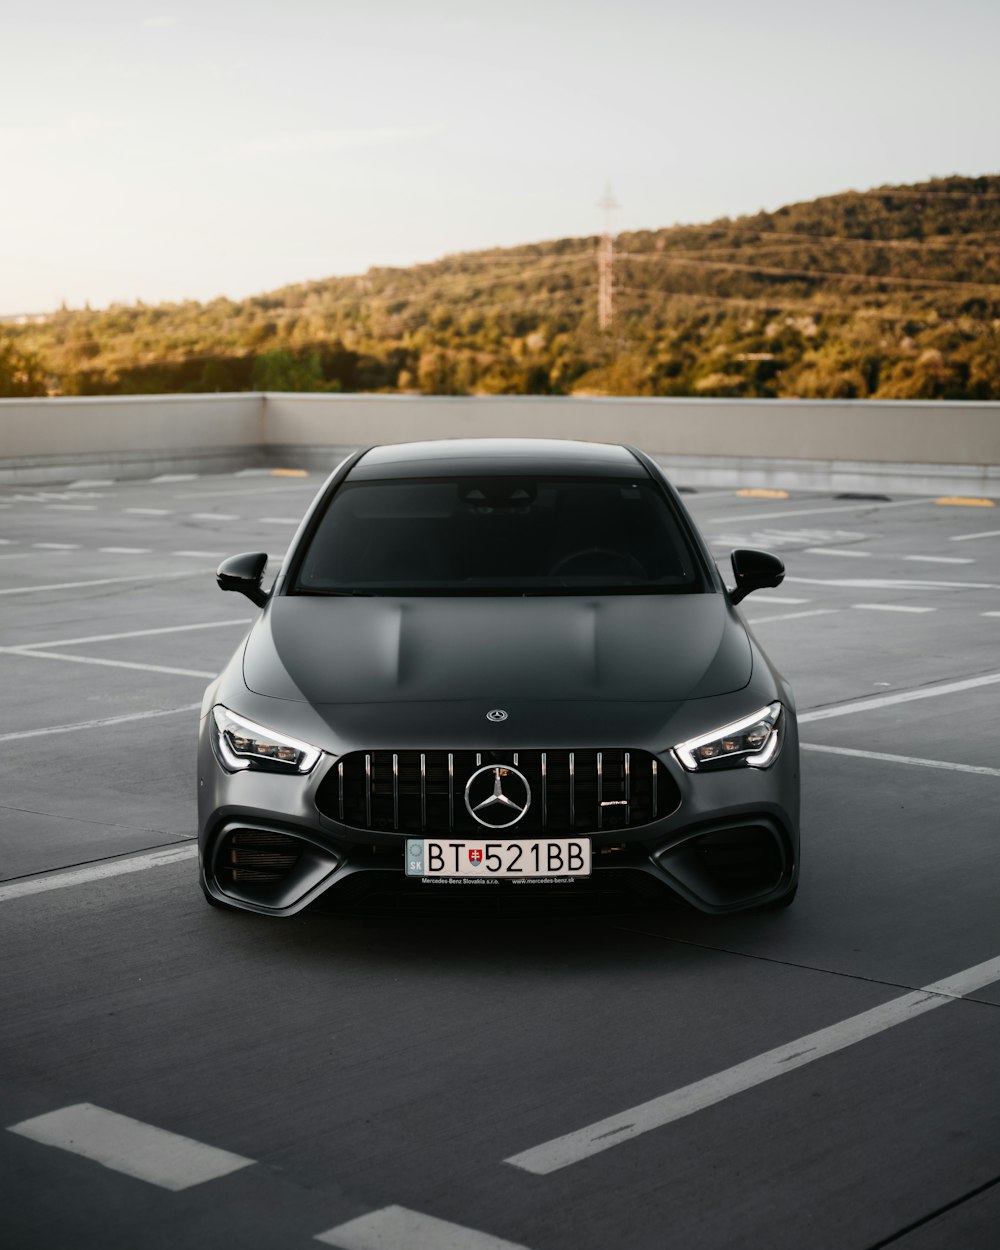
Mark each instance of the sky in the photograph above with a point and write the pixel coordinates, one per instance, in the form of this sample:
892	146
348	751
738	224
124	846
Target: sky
161	150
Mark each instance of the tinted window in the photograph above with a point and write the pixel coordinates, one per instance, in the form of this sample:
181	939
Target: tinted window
496	535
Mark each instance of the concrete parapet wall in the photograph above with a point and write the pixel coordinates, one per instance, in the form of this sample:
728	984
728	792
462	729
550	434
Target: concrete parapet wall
806	444
53	440
91	424
924	432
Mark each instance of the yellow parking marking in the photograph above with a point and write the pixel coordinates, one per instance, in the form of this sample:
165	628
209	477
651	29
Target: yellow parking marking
760	492
289	472
959	501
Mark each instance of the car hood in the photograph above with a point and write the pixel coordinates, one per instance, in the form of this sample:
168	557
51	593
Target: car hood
614	648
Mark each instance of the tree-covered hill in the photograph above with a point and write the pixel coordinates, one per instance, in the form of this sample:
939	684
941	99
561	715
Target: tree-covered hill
891	293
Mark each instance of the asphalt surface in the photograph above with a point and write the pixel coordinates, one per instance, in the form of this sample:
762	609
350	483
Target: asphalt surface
379	1076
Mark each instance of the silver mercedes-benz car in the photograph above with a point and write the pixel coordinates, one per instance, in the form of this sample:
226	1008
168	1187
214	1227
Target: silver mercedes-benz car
498	664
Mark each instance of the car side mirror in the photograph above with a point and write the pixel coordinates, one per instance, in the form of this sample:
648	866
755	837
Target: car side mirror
754	570
244	573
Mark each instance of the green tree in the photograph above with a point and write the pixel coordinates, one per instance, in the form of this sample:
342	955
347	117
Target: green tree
218	375
282	371
21	372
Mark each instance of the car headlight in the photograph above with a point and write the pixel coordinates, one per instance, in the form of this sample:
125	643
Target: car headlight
242	743
753	741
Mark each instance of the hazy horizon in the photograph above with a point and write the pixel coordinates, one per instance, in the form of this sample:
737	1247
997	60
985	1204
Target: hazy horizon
173	151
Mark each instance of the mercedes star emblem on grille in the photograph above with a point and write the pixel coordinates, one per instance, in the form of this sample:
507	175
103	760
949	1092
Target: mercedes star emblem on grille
497	796
496	715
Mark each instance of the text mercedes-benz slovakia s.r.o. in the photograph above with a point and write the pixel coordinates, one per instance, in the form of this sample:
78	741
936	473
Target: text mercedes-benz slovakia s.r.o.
501	664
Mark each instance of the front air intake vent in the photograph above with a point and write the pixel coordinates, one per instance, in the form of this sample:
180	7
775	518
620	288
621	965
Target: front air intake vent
570	791
257	857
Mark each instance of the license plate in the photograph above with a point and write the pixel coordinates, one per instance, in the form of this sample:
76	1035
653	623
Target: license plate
453	857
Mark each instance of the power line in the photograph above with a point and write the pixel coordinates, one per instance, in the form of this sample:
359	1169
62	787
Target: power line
775	271
740	227
784	243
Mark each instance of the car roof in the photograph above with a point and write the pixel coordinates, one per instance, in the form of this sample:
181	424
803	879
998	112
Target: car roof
445	457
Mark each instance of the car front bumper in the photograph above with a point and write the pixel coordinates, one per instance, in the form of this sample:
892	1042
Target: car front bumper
730	843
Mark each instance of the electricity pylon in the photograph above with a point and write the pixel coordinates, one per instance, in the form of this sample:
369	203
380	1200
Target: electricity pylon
605	262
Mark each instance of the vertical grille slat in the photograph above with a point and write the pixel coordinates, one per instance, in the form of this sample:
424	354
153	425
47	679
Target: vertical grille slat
578	791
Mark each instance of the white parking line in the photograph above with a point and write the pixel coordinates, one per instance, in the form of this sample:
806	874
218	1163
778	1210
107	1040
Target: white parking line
902	759
891	583
942	559
256	491
175	477
964	538
836	551
801	539
47	496
201	555
790	514
280	520
761	597
80	725
889	607
67	877
214	516
148	511
790	616
101	581
125	1145
701	494
126	551
886	555
872	703
90	659
132	633
989	613
398	1228
679	1103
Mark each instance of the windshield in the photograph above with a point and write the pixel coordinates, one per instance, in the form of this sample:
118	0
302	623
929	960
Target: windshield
499	535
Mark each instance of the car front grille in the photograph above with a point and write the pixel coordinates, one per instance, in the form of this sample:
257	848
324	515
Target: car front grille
424	791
